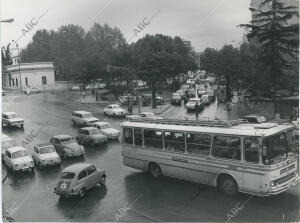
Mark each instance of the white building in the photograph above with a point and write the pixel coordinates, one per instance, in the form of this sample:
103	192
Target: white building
36	74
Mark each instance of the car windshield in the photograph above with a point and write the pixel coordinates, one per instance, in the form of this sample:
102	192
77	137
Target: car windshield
67	175
18	154
13	116
8	144
94	131
105	126
275	149
48	149
87	115
67	140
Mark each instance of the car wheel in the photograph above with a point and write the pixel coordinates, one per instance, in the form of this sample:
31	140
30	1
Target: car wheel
64	155
40	165
228	185
155	170
81	192
102	180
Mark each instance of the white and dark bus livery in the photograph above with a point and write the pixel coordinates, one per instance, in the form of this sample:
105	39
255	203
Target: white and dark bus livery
237	157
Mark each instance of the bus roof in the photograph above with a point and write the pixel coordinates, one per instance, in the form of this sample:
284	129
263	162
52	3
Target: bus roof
242	129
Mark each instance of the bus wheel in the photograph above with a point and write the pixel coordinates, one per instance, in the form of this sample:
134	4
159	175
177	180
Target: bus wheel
228	185
154	170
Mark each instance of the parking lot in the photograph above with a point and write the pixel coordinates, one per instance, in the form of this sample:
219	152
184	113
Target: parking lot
129	195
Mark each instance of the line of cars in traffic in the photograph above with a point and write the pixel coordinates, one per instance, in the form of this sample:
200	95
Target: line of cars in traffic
75	179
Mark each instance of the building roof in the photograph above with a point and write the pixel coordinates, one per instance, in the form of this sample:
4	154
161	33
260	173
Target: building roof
75	168
31	66
262	129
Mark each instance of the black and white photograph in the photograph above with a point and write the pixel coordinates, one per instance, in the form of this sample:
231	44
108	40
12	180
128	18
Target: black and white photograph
150	111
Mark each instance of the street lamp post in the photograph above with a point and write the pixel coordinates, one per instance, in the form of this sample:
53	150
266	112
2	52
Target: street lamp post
137	89
19	64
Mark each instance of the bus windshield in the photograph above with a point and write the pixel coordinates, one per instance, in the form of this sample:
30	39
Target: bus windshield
275	149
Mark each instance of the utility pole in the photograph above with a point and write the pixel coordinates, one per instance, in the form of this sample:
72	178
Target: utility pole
19	64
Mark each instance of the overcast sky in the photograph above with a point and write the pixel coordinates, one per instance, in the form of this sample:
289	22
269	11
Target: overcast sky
206	23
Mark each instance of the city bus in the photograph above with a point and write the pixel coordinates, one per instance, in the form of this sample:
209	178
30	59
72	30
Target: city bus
234	156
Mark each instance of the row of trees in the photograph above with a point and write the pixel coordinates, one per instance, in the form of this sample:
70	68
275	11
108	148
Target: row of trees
82	56
269	58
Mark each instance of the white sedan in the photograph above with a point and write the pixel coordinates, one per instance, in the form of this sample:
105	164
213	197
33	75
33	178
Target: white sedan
106	129
44	154
18	159
114	110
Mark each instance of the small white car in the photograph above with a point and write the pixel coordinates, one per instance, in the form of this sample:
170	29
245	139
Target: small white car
30	90
83	118
6	142
114	110
12	119
75	88
44	155
192	103
18	159
90	135
106	129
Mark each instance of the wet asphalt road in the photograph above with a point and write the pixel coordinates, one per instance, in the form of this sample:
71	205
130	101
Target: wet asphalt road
167	199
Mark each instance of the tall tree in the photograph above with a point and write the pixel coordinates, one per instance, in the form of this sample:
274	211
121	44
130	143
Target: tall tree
278	39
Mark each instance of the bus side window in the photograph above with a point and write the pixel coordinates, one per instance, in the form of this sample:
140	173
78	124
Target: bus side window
174	141
153	139
227	147
128	137
138	137
198	143
251	146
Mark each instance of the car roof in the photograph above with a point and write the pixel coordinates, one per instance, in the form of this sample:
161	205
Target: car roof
41	145
82	112
113	105
9	113
15	149
88	128
77	167
62	136
101	123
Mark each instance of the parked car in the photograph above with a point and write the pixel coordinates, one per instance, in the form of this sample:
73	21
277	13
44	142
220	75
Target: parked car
176	99
83	118
106	129
91	86
29	90
18	159
181	92
44	154
144	115
254	118
66	146
90	135
79	178
192	102
6	142
10	119
114	110
75	88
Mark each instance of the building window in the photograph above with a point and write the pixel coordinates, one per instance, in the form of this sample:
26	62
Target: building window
174	141
128	137
251	146
227	147
44	80
26	81
17	82
153	139
198	143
